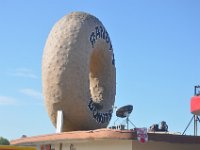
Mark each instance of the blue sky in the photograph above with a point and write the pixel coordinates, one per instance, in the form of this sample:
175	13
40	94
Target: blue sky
156	46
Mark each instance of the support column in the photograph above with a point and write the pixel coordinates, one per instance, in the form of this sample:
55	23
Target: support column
59	123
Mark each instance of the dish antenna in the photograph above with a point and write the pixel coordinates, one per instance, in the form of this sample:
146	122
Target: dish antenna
124	112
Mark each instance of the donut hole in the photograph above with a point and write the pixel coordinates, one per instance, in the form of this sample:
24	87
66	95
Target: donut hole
100	62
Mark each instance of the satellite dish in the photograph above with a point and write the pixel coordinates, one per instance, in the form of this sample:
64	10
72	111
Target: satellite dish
124	111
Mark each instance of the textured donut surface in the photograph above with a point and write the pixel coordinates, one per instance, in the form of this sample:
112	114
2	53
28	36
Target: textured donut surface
78	72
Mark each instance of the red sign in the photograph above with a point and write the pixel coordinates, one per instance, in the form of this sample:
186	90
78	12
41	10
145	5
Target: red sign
142	135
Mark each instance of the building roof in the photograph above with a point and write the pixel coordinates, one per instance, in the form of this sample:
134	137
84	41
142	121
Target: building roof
104	134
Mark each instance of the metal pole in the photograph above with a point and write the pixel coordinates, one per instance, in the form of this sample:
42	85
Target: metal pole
195	125
115	121
198	119
195	90
132	123
195	116
188	125
127	123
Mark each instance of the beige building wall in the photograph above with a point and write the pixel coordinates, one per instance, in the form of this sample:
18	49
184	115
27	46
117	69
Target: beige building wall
125	145
117	145
163	146
96	145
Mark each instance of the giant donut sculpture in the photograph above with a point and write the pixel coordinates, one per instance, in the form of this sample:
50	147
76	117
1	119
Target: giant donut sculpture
78	73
